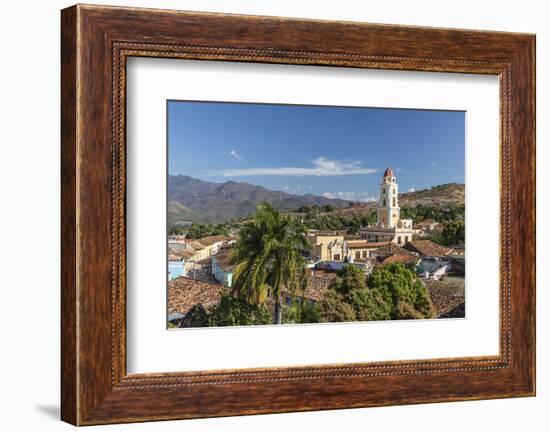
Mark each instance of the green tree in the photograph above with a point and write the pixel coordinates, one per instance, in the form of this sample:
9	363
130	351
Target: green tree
196	317
453	233
350	299
390	292
231	311
399	287
368	219
267	258
201	230
301	312
370	304
177	229
350	278
437	213
334	308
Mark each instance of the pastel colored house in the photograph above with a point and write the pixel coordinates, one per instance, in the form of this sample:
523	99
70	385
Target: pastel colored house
222	270
176	267
206	247
178	262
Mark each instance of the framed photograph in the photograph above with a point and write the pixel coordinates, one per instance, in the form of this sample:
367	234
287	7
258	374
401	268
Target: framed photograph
267	215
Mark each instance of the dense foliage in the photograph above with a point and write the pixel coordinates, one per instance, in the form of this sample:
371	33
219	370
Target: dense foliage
233	311
336	222
401	289
390	292
437	213
453	233
177	229
202	230
229	311
315	217
350	299
301	312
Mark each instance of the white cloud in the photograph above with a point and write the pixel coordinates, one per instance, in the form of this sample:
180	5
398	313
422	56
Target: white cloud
351	196
412	189
235	154
322	167
296	190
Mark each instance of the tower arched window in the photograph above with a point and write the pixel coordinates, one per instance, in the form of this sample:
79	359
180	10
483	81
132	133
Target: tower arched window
383	191
394	203
384	203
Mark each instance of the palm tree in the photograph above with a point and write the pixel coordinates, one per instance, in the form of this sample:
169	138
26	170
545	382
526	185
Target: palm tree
267	258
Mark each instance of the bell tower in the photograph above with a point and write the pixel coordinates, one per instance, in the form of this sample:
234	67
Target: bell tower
388	205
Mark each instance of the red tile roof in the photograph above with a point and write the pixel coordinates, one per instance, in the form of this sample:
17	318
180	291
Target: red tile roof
400	258
365	244
179	254
224	258
210	240
184	293
425	247
196	245
318	284
392	248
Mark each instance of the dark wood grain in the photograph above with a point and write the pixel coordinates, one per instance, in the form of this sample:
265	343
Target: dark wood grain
96	41
69	367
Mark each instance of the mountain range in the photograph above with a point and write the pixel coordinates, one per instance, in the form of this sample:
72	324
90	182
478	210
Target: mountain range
194	200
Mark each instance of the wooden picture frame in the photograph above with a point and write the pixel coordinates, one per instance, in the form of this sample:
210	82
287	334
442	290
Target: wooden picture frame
95	43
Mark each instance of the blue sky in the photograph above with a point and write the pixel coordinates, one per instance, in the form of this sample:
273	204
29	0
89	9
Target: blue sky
332	151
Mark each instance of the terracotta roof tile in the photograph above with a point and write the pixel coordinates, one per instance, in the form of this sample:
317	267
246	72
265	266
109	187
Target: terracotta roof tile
196	245
400	258
224	258
365	244
390	248
175	254
428	248
209	240
318	284
184	293
425	223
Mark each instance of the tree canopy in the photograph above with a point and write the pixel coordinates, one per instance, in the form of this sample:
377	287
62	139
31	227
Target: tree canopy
390	292
401	289
229	311
453	233
202	230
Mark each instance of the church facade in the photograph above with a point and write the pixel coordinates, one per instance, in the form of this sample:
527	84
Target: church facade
389	224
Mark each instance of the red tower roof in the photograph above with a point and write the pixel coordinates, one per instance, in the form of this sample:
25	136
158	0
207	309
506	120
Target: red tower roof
388	173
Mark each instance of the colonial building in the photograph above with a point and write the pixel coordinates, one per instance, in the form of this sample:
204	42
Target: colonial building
326	245
389	225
